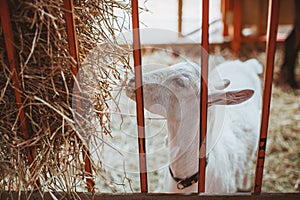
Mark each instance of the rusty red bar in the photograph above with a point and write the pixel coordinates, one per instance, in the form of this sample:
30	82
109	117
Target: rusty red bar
73	50
139	95
270	51
225	7
203	97
237	26
14	68
179	18
71	31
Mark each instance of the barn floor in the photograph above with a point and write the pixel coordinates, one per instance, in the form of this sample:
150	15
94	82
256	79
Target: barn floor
282	167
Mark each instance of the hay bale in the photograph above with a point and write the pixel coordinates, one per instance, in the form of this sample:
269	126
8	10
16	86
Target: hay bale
46	83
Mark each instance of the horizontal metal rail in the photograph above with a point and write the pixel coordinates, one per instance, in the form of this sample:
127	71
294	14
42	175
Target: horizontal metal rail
140	196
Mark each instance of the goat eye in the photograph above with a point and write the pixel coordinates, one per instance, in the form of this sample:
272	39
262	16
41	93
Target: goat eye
179	82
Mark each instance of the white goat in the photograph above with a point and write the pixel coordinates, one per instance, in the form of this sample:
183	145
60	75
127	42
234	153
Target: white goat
233	122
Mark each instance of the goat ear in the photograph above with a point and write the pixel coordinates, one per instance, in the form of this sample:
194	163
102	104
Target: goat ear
229	97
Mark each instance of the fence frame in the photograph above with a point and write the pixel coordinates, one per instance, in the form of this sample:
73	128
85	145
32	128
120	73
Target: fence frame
148	196
270	52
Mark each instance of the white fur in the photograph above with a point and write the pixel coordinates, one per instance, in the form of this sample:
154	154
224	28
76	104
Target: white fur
233	130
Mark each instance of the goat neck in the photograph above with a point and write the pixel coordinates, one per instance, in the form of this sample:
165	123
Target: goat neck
183	138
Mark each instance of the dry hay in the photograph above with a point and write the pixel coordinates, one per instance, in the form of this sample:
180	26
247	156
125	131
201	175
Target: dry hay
282	167
46	84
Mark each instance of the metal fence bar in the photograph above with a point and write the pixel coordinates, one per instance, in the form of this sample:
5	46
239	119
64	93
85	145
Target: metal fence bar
14	68
225	6
73	50
139	95
270	51
179	18
237	26
203	96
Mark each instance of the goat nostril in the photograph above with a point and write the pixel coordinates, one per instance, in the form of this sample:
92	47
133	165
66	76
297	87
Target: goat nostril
131	82
130	89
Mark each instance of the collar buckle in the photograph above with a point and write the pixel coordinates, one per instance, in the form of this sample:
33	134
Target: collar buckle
180	186
186	183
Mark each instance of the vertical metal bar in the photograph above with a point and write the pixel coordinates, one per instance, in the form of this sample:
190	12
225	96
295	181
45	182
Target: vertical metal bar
203	97
179	18
73	49
270	51
13	66
225	5
71	31
237	26
139	95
